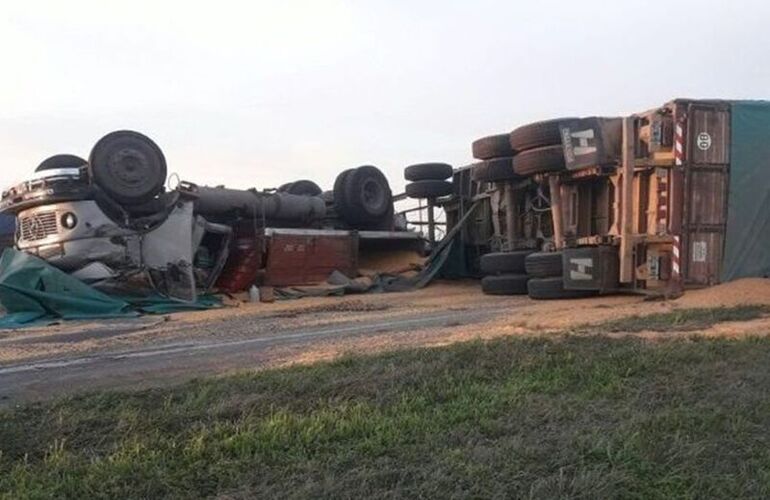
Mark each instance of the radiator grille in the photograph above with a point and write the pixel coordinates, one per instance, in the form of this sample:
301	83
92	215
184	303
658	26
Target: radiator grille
38	226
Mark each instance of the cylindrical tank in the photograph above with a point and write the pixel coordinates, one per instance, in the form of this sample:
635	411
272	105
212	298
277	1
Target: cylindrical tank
281	206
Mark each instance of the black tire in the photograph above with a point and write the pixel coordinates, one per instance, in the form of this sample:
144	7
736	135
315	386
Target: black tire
537	135
497	169
504	262
493	146
386	223
544	264
61	161
505	284
369	191
301	187
128	166
539	161
340	198
429	189
553	288
362	196
428	172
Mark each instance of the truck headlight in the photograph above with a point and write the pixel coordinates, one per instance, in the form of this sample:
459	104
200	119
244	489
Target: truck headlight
69	220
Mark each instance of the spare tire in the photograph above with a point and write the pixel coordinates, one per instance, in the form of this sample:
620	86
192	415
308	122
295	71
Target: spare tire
497	169
128	166
553	288
61	161
429	189
537	135
303	188
539	161
505	284
504	262
428	172
493	146
544	264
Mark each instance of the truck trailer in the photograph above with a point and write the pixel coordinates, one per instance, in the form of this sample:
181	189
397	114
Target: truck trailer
674	197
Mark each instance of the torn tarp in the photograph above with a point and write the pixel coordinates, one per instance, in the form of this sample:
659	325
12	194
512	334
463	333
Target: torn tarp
33	291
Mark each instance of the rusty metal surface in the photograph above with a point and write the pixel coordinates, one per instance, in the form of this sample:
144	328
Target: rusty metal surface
707	196
709	128
243	265
706	182
704	257
294	259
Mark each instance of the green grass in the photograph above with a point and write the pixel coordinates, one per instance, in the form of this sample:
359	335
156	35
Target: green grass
571	416
682	320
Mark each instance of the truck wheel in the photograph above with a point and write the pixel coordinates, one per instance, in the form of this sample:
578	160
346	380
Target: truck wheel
544	264
553	288
428	189
505	284
302	188
340	198
493	146
497	169
61	161
368	191
367	195
504	262
128	166
428	172
537	135
385	223
539	161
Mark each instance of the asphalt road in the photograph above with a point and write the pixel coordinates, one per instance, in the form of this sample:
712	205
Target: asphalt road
248	347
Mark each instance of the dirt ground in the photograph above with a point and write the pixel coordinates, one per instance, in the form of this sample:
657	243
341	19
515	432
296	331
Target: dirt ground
508	316
68	358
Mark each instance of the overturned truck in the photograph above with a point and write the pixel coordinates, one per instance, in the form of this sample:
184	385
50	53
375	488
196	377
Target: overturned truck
674	197
111	222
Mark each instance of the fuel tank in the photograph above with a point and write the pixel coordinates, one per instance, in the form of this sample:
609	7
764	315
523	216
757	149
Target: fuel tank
221	201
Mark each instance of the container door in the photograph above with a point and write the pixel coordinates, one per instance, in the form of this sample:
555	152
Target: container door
706	170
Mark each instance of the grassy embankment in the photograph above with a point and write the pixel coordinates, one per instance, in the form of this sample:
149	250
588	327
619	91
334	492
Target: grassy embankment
566	416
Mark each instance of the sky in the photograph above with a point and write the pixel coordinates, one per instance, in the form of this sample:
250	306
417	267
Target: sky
258	93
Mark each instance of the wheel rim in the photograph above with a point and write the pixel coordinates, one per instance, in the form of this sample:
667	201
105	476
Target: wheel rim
372	194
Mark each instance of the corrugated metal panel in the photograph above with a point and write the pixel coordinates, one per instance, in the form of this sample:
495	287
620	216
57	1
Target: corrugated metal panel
299	260
706	183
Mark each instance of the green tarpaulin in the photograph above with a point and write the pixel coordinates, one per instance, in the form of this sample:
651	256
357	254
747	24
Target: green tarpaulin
747	241
33	291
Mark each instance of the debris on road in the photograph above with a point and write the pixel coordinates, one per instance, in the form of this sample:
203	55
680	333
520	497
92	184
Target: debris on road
653	203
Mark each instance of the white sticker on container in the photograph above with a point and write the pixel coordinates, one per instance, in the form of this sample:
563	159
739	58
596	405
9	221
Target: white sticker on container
581	269
699	251
704	141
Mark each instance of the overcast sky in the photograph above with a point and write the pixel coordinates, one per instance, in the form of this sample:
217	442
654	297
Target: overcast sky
256	93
